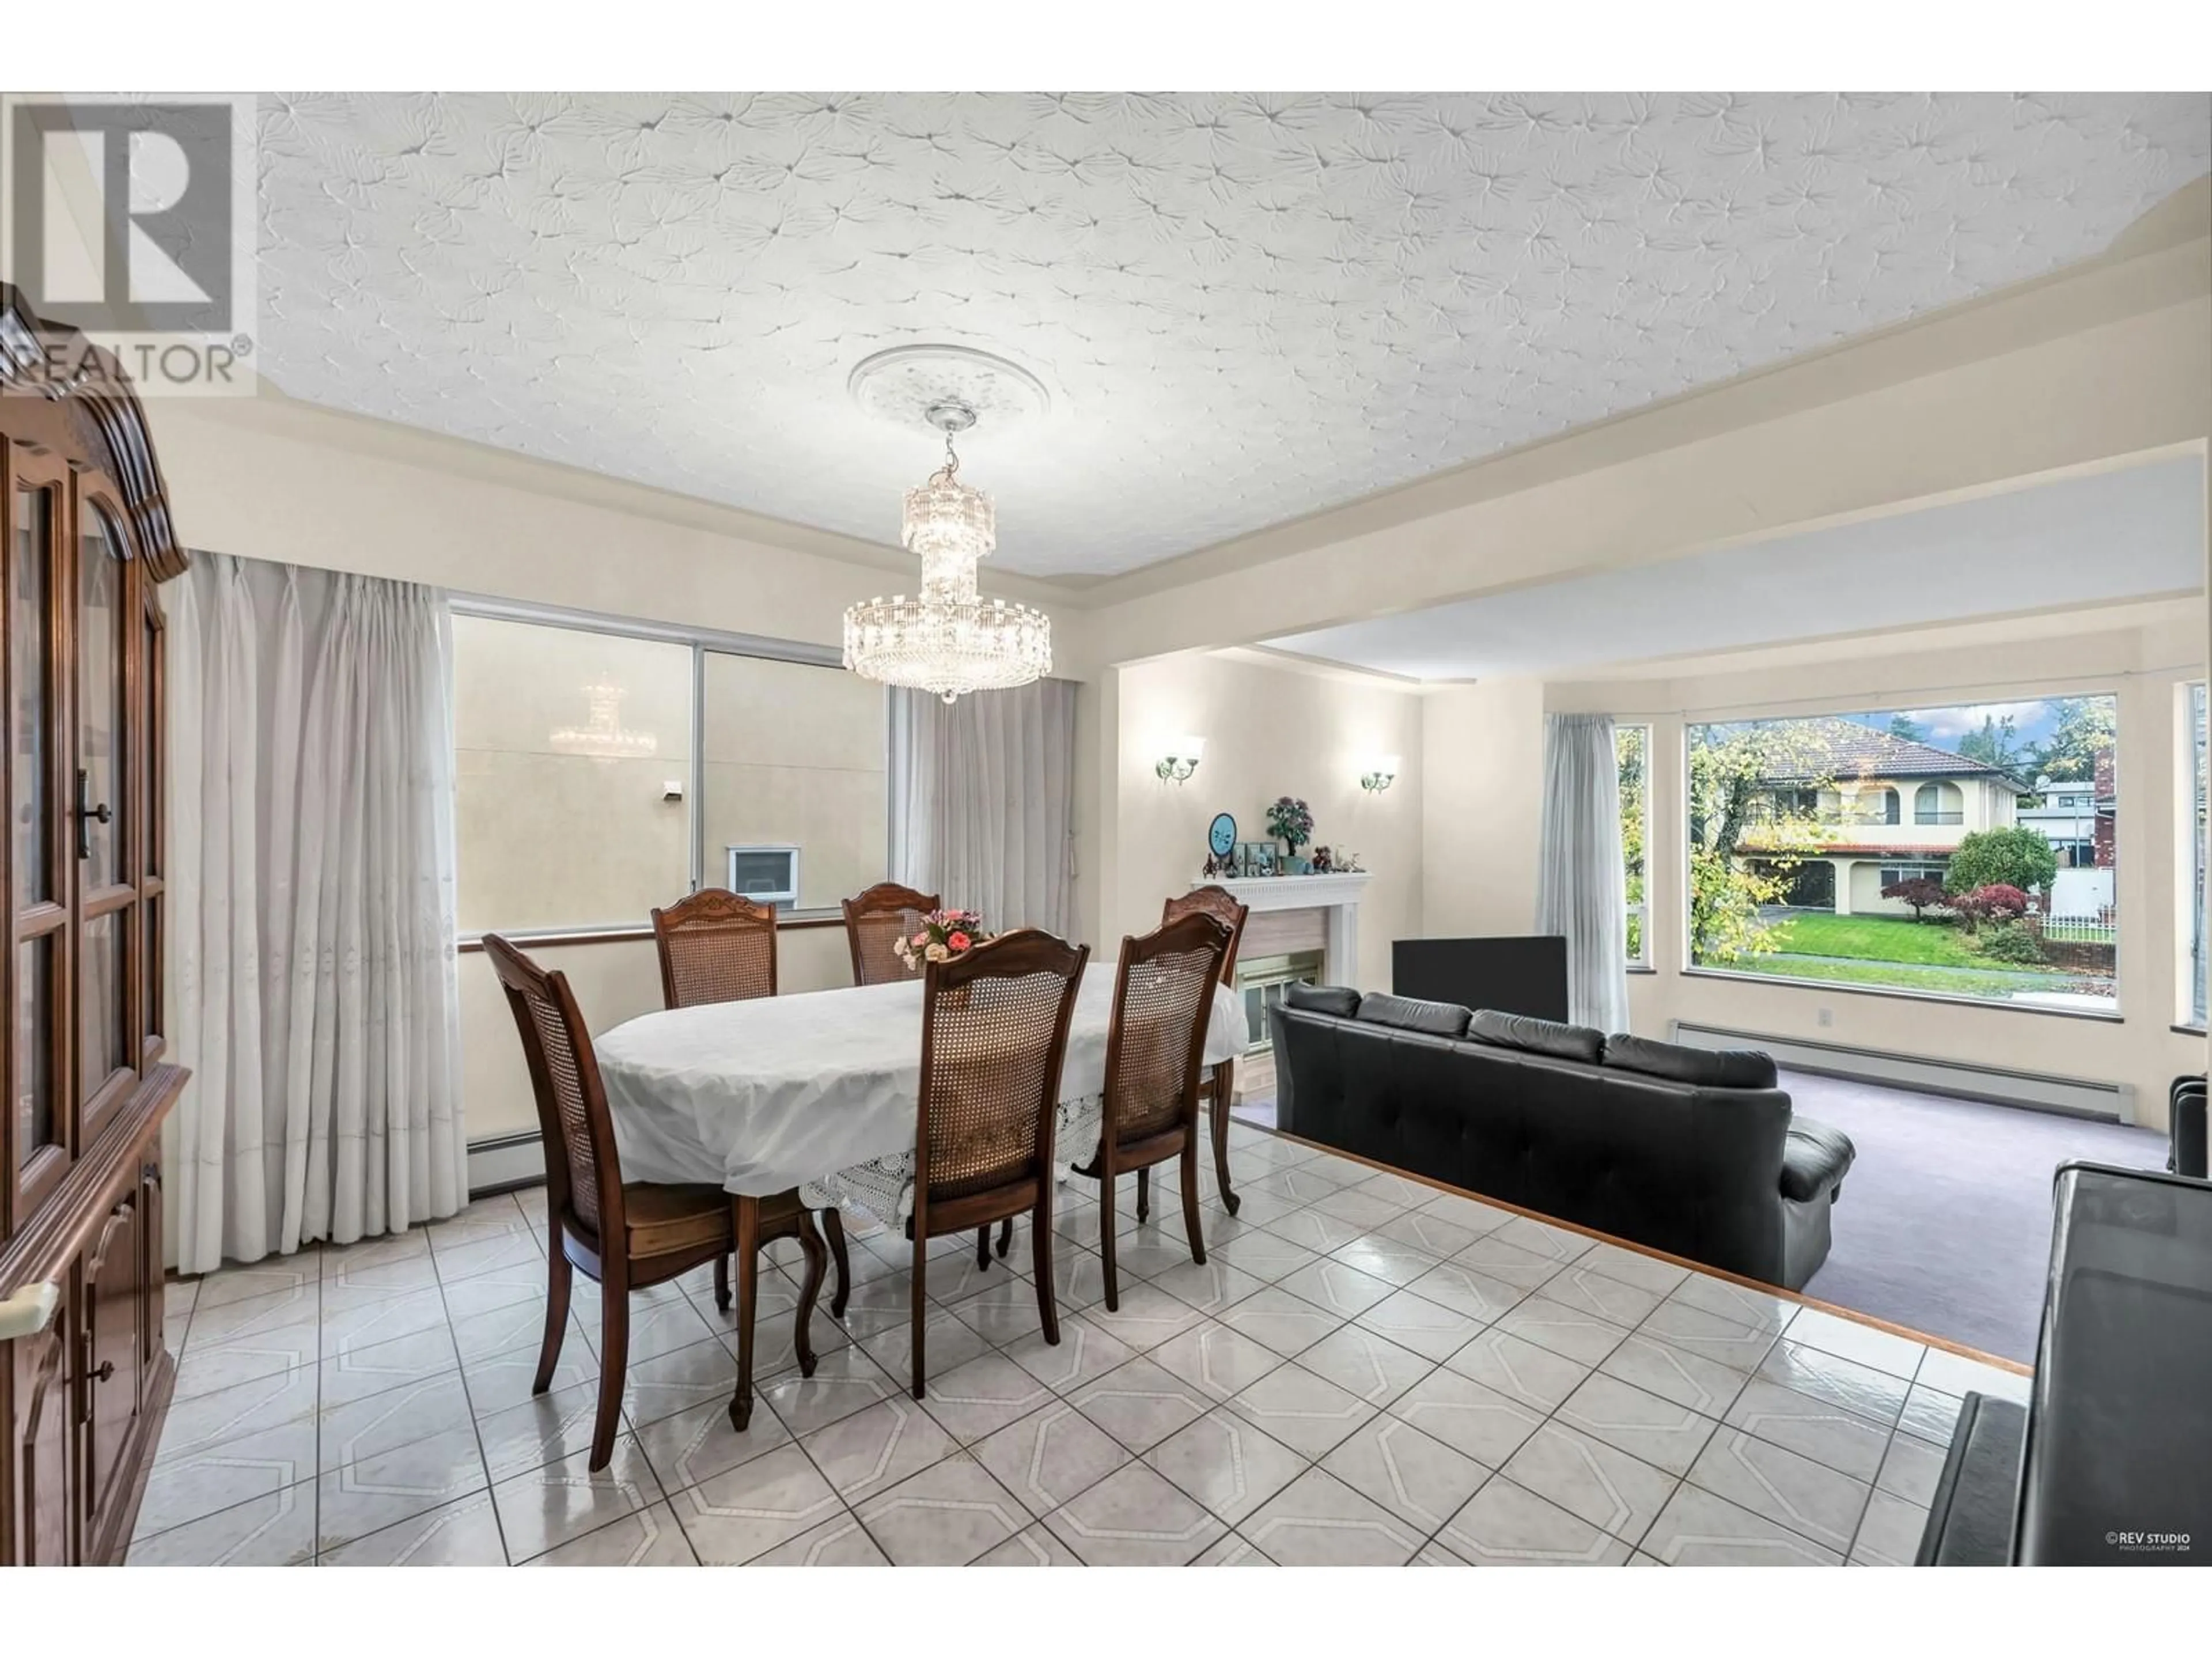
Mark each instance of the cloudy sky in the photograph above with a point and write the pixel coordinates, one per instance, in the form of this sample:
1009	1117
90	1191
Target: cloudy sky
1945	726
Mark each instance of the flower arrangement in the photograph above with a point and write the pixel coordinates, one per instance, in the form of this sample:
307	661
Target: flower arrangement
943	935
1290	820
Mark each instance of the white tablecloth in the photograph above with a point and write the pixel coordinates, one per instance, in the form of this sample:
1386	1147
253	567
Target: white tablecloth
758	1096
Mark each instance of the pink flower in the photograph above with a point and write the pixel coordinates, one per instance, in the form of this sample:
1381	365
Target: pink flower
921	940
958	941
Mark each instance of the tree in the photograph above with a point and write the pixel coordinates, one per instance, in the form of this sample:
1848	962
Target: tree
1628	749
1907	727
1748	831
1997	744
1921	892
2084	725
2010	857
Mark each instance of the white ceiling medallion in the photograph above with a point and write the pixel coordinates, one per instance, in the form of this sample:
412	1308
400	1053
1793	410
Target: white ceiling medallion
905	384
951	639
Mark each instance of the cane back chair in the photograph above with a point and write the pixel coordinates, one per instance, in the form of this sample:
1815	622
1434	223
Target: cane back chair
874	922
626	1235
1218	1087
1155	1052
993	1034
714	947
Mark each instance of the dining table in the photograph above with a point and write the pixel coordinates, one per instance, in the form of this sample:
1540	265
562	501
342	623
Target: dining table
821	1090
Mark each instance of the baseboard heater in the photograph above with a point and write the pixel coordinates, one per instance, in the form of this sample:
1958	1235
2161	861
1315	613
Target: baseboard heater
506	1162
2111	1103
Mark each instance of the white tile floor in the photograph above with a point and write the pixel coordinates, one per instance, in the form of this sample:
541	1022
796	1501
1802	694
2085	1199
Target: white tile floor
1366	1370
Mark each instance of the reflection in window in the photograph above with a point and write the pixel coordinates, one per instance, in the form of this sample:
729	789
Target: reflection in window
572	764
576	805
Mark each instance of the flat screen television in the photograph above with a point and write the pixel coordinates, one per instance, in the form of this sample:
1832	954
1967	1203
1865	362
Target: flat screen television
1514	974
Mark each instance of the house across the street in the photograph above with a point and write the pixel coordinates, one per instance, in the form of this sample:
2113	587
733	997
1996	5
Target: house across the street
1890	808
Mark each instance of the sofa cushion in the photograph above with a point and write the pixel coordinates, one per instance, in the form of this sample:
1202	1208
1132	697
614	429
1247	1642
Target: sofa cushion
1537	1037
1709	1068
1339	1000
1412	1014
1815	1159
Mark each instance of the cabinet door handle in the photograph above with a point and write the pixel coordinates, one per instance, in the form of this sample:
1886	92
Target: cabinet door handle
86	814
106	1370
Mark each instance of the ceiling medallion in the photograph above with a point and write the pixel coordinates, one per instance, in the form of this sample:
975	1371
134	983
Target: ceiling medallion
903	384
951	639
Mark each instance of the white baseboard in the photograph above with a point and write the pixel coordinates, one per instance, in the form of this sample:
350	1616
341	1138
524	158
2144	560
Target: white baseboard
2112	1102
510	1161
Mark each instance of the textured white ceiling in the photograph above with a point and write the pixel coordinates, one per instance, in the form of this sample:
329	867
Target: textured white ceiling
2097	539
1246	306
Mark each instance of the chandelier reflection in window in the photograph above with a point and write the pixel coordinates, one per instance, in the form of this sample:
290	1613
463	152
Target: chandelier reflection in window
603	736
951	639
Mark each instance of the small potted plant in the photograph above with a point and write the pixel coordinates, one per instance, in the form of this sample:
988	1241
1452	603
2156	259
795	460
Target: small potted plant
943	935
1289	820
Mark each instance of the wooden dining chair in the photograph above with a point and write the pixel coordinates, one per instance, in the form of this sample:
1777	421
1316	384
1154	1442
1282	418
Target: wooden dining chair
629	1235
993	1033
717	946
1218	1088
1155	1052
714	947
873	923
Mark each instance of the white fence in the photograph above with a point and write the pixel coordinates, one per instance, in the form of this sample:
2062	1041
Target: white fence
2097	929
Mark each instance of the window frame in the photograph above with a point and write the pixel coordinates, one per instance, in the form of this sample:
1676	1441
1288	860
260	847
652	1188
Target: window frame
703	642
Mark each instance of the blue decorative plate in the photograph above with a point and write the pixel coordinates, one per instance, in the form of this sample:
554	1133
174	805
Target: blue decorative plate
1222	837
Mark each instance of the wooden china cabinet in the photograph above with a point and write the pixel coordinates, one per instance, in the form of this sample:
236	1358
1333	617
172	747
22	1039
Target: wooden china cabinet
85	542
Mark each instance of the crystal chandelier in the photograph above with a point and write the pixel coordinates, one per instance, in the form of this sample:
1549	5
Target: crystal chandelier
603	736
951	639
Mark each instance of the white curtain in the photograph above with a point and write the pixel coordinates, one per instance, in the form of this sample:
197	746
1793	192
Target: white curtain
311	928
1581	890
983	802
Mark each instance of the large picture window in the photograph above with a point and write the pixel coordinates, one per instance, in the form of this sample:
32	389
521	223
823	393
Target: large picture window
1956	852
601	771
1631	747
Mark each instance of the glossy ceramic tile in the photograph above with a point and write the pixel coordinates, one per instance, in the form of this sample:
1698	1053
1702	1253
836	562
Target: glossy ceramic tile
1365	1370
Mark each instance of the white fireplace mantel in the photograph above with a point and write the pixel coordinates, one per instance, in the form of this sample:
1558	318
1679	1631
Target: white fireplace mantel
1297	892
1335	895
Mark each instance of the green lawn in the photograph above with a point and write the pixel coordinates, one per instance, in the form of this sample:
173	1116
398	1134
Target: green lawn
1877	939
1904	976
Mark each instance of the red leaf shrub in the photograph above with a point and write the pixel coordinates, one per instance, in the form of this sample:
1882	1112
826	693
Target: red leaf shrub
1995	902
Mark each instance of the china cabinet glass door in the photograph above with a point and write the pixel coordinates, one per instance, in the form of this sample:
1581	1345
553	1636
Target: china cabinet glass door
108	616
36	498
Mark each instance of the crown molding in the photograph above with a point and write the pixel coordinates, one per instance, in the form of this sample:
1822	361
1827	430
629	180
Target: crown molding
1320	668
271	412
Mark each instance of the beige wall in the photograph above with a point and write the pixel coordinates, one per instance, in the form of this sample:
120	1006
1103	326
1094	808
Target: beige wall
2145	666
1482	751
1269	732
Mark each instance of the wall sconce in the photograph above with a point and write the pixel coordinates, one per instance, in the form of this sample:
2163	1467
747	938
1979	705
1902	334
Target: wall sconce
1381	772
1181	761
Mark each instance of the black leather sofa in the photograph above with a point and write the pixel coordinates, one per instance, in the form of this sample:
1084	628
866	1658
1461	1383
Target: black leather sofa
1685	1150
